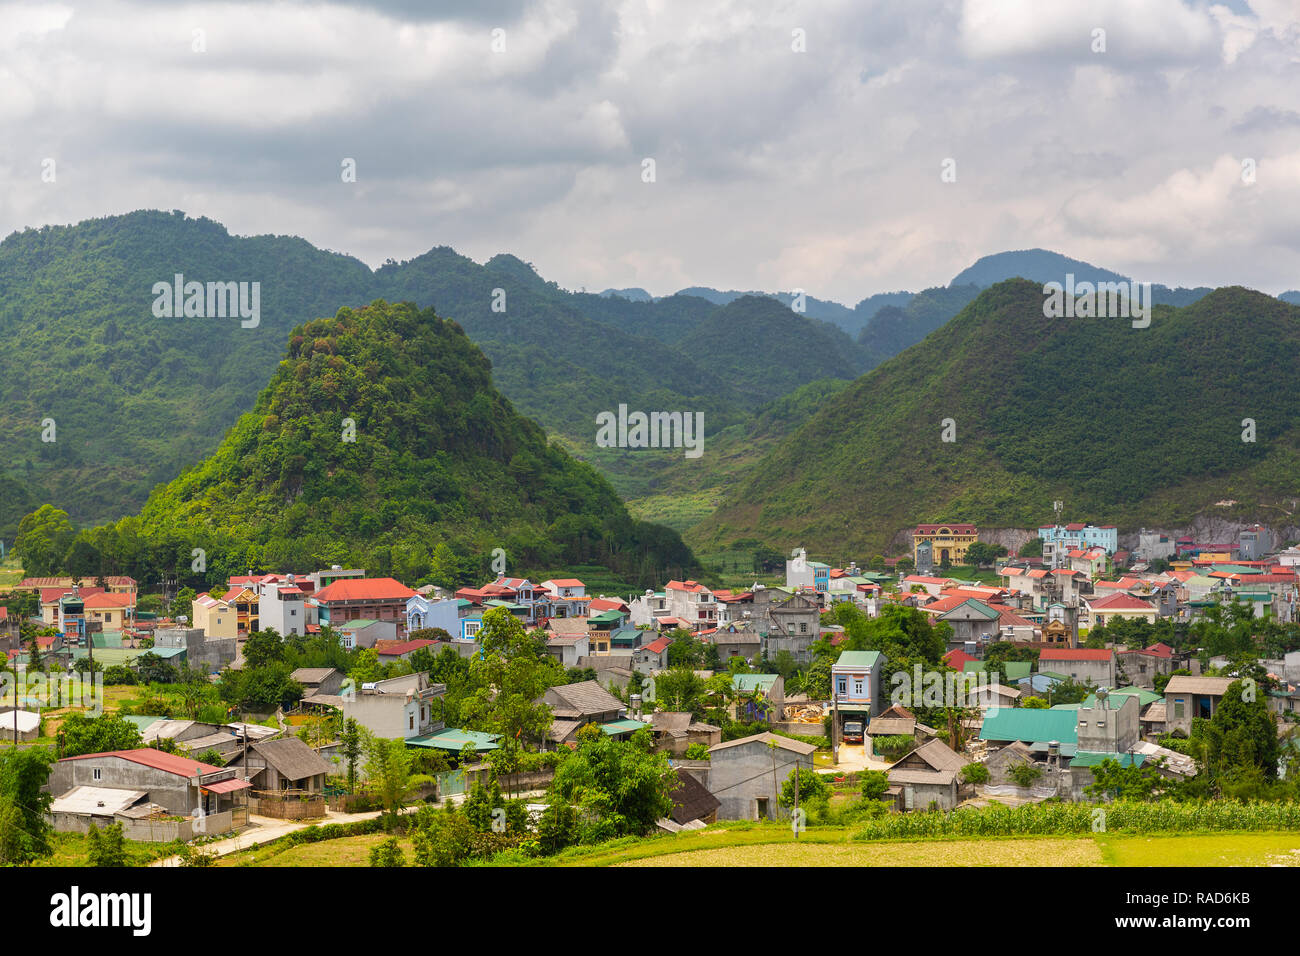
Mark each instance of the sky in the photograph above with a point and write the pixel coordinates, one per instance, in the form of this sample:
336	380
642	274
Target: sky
841	147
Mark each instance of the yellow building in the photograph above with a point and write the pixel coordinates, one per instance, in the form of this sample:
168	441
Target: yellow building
114	611
946	541
216	617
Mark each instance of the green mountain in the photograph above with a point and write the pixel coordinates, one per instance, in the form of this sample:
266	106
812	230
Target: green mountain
135	397
1127	425
381	439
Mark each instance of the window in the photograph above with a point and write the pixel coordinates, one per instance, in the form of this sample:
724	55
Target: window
803	628
1178	706
97	773
410	721
762	808
857	687
841	685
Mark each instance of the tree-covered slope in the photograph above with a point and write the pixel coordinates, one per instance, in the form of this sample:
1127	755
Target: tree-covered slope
380	437
1126	425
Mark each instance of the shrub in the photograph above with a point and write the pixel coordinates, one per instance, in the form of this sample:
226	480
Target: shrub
975	773
1025	774
697	751
387	853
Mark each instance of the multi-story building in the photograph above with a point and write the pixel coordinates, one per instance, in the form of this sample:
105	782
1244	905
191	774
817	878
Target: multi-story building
856	685
282	606
692	602
802	573
1073	537
350	599
215	617
948	542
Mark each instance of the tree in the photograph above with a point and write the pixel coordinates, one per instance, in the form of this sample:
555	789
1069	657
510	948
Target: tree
681	689
1024	774
557	828
619	787
1240	740
106	847
350	748
507	679
447	839
814	794
974	773
24	773
44	537
262	648
875	784
1034	703
1126	783
80	735
183	604
388	765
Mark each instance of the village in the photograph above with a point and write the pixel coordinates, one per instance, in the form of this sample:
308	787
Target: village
1047	684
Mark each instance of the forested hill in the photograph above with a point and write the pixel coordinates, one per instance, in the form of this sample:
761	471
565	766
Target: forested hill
1128	425
135	398
382	442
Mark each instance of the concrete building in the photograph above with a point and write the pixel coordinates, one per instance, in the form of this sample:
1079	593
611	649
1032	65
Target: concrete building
949	542
786	622
202	651
397	708
215	616
424	612
285	764
856	680
1154	546
928	777
1190	697
376	599
746	775
1083	664
282	606
1110	726
178	784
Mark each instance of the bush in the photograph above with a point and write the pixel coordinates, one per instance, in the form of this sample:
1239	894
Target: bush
387	853
119	675
697	751
975	773
894	746
1025	774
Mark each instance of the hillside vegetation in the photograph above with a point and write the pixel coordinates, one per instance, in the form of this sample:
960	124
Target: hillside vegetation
1128	425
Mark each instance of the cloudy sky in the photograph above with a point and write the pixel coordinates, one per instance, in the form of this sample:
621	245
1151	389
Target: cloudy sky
795	144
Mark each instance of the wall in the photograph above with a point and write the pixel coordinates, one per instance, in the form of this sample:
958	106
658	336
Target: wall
740	775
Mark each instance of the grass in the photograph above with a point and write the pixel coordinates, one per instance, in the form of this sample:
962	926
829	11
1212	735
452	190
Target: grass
70	850
345	851
1211	849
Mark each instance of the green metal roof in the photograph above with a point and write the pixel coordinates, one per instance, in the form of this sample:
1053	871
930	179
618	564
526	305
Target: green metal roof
862	659
1087	758
1015	670
1145	697
975	667
748	683
453	738
1022	723
616	727
142	723
605	617
1055	675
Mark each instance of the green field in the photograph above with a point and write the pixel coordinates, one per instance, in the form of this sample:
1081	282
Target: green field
772	845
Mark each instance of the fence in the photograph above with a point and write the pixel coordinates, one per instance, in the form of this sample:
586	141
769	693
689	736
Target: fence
288	804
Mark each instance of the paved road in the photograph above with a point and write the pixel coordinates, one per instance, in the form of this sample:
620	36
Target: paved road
265	829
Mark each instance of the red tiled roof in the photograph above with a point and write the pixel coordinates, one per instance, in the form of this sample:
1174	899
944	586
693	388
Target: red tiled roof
567	583
957	658
50	595
1075	654
158	760
659	646
606	604
110	600
365	589
954	528
1121	601
692	586
398	648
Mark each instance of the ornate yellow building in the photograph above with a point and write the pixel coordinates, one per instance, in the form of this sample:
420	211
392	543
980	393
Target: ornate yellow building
946	541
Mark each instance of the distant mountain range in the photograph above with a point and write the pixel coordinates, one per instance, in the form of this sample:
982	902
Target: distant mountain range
132	399
1128	425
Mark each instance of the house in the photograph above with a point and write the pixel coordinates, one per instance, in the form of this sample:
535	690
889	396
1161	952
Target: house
26	724
646	610
737	641
365	632
1189	697
397	650
568	649
600	629
1082	664
928	777
1036	729
786	622
573	706
215	616
802	574
1141	665
318	680
856	678
652	657
675	731
111	611
948	542
282	606
565	597
179	785
762	697
285	764
374	599
1121	605
424	612
693	805
1067	537
246	602
746	775
972	621
692	602
400	707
